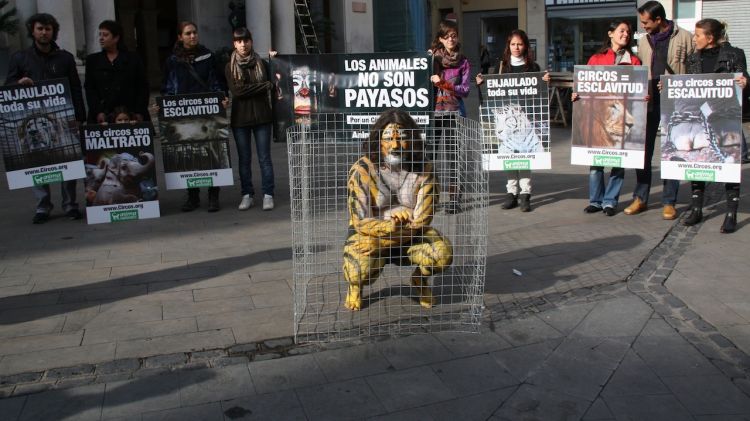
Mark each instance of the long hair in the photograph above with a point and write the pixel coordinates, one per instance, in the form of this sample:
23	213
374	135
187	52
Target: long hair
181	27
115	29
607	43
527	51
371	145
44	19
444	28
717	30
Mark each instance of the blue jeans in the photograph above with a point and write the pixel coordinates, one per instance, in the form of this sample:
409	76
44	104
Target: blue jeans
643	177
44	199
262	134
599	195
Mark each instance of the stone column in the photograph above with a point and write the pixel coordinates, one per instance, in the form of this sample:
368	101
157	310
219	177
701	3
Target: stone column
258	15
94	12
282	13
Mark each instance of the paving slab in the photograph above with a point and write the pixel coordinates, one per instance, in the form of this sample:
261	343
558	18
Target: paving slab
348	399
206	412
63	357
634	377
647	407
286	373
409	388
524	360
80	403
215	384
709	395
282	405
414	350
132	398
351	362
472	375
535	402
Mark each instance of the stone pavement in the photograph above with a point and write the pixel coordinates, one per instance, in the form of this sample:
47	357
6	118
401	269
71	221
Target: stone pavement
175	318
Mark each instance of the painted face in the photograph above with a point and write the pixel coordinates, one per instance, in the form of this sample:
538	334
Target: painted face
243	46
189	36
106	40
702	39
122	118
517	47
394	144
649	25
620	37
42	34
301	84
449	41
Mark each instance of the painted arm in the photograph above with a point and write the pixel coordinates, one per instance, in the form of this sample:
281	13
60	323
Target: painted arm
360	188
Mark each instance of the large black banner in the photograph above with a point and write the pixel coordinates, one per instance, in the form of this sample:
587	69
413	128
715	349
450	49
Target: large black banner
307	85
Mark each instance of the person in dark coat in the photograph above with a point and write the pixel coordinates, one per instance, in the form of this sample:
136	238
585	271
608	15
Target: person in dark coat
42	61
248	78
115	77
191	69
714	55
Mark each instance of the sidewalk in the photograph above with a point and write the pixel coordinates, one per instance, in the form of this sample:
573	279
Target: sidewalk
171	319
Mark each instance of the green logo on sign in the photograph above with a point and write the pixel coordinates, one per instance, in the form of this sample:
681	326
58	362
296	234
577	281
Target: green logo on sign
516	164
200	182
48	178
607	161
700	175
123	215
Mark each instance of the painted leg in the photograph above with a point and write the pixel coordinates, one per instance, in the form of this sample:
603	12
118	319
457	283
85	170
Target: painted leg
354	298
419	280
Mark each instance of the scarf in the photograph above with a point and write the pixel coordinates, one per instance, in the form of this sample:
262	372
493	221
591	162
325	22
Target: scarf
240	67
447	60
183	54
660	37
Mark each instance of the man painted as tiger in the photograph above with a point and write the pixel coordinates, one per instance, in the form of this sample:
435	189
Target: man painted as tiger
392	192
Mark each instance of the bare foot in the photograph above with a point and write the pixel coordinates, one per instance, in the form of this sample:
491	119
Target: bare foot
353	299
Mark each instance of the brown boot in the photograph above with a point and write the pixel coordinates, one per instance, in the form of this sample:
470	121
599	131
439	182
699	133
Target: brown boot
636	207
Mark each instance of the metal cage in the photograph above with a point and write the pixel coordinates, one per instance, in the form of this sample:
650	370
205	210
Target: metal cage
320	158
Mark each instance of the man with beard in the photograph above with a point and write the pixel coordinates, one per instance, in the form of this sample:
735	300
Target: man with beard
664	50
42	61
392	192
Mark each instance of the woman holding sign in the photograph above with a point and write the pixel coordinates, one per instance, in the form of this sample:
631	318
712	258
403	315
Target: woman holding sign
517	59
713	54
191	69
249	81
452	70
615	51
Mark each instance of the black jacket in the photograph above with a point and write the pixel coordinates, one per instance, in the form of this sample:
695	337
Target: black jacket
731	60
38	66
119	83
179	80
251	102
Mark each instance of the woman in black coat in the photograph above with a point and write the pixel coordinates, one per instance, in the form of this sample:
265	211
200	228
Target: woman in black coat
714	55
115	77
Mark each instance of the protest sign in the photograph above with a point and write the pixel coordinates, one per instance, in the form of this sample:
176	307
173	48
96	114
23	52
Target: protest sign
361	84
609	118
195	141
701	121
40	142
515	120
120	173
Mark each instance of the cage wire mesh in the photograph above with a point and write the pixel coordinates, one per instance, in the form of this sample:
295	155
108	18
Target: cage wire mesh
441	246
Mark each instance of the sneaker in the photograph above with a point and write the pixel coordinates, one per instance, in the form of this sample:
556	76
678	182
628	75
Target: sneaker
609	211
246	203
592	209
74	214
267	202
40	218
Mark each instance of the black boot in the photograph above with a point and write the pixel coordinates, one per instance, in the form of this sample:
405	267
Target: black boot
511	201
213	199
524	201
696	209
192	201
730	221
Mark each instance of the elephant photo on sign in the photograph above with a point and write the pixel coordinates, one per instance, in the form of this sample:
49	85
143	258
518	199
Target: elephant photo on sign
121	178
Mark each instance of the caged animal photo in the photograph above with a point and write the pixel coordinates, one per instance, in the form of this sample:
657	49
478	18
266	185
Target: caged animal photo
43	139
515	132
603	124
196	144
710	132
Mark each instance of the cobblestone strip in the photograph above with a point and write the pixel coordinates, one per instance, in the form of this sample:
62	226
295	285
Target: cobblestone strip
648	282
